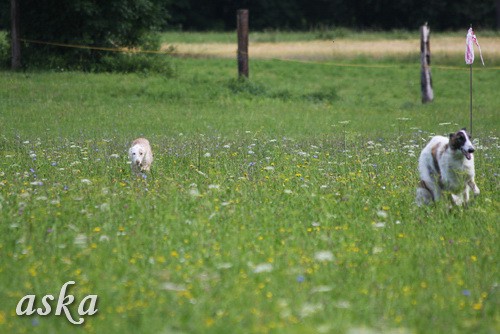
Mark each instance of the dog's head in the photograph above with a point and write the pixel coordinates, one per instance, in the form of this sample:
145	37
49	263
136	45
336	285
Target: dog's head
136	154
461	140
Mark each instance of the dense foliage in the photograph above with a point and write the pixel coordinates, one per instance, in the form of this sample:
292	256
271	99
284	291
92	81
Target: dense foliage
113	23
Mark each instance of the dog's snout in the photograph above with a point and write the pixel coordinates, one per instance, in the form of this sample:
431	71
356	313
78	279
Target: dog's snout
471	150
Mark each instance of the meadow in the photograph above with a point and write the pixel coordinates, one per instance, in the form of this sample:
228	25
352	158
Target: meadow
279	204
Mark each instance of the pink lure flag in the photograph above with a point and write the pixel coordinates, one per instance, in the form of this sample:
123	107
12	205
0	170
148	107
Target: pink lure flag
469	48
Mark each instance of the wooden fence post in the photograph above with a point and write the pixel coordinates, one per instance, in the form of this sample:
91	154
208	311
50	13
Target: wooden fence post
425	59
16	44
242	25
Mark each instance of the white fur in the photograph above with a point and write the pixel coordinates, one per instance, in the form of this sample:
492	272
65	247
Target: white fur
140	155
444	167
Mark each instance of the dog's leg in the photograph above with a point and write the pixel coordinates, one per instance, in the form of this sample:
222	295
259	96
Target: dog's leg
136	170
434	186
425	195
466	194
458	200
474	187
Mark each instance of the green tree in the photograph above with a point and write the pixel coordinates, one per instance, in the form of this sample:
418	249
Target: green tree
90	23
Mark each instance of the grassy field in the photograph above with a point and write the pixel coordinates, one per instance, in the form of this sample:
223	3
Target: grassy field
282	204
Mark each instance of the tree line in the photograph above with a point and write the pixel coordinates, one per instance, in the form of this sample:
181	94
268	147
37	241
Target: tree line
130	23
356	14
264	14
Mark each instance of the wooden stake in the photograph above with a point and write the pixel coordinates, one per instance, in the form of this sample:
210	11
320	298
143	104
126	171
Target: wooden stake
425	60
242	25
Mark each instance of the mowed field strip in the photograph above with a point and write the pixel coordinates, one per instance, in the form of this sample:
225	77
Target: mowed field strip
324	49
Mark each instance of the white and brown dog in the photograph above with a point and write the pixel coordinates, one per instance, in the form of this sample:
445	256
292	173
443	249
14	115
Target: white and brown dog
447	164
141	156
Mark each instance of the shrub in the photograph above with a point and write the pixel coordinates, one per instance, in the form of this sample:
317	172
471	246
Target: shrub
4	50
88	23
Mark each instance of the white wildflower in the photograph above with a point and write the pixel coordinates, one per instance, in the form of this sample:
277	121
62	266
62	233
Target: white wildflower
103	238
201	173
382	214
263	268
80	240
224	265
309	309
344	304
321	288
169	286
194	192
324	256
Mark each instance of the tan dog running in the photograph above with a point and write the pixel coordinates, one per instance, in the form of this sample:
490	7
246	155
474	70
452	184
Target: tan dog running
141	156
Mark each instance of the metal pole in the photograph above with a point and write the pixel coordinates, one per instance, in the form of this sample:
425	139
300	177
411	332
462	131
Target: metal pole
470	84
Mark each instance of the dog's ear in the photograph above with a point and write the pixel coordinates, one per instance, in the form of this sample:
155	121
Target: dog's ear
464	129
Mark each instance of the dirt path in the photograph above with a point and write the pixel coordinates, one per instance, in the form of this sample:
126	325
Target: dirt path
340	48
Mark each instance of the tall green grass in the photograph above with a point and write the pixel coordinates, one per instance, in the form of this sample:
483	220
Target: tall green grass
281	97
282	204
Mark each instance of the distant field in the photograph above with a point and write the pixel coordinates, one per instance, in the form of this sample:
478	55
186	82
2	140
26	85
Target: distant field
276	36
337	45
449	47
279	204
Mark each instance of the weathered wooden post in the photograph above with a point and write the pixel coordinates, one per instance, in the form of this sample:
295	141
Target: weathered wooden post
425	59
242	25
16	44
